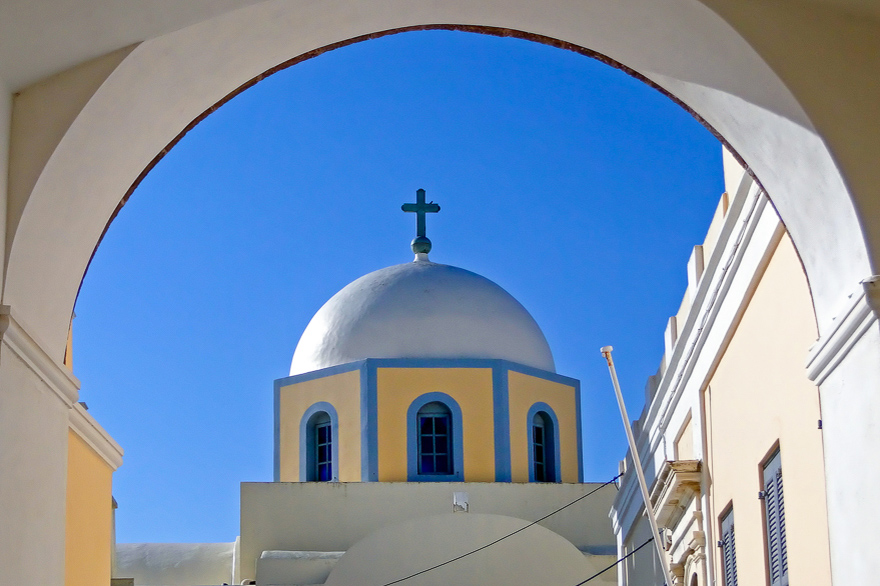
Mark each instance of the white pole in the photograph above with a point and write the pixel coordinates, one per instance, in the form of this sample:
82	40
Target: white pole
649	510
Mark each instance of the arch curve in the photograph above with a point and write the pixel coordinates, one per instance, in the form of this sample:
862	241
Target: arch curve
167	84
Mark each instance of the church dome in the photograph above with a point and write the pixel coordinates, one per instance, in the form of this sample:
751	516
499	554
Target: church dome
421	310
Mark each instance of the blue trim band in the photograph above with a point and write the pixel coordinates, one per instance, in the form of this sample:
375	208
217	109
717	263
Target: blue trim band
580	437
321	373
412	439
369	424
305	441
501	408
541	407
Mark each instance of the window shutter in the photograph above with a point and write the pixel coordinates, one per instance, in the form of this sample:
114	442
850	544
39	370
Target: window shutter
774	507
728	549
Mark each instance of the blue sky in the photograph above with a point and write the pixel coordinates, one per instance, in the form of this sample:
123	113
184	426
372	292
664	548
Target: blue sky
572	185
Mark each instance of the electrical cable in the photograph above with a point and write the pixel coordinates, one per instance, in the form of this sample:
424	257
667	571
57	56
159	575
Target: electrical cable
600	572
491	543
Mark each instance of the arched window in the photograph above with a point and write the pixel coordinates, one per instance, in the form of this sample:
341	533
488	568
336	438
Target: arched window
435	440
434	443
543	444
319	452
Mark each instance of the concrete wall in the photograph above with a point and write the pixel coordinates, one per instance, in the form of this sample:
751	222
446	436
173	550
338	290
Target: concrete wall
343	391
397	388
524	391
760	398
316	516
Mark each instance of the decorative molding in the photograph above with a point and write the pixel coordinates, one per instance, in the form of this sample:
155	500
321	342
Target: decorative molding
678	483
849	326
56	376
85	426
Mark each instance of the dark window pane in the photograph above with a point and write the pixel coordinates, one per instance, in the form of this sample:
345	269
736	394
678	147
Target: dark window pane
427	465
323	434
427	425
322	454
427	444
324	472
441	424
539	435
440	446
443	465
539	454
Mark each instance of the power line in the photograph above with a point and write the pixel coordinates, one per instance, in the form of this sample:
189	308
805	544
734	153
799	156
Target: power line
491	543
600	572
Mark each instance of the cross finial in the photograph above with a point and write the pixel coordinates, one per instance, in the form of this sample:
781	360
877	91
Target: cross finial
421	244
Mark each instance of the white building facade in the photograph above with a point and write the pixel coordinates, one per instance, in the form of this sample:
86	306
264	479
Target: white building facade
730	413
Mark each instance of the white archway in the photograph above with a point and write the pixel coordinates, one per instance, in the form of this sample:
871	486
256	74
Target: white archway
101	124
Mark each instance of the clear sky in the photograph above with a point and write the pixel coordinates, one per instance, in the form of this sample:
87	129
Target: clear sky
572	185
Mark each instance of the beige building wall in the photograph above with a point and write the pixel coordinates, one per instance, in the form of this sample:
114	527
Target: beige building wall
759	398
343	391
89	525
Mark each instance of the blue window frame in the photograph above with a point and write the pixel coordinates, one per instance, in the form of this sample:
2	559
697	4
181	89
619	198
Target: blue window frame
434	439
543	433
319	444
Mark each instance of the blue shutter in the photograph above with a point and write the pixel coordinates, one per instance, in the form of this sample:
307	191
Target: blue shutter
728	549
774	509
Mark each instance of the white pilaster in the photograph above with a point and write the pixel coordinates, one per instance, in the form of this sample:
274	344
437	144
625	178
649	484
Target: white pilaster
846	365
36	394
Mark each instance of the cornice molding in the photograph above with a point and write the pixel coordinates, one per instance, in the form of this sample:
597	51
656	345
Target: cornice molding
56	376
858	316
85	426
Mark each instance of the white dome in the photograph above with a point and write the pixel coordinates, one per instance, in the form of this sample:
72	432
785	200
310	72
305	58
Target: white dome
421	310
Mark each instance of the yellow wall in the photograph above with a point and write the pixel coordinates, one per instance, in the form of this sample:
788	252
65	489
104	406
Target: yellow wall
397	388
758	396
525	391
343	392
89	525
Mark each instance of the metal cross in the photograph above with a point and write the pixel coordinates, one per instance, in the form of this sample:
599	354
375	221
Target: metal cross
420	208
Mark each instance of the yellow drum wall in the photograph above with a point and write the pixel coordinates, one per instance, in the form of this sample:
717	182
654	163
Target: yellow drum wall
525	391
397	388
343	391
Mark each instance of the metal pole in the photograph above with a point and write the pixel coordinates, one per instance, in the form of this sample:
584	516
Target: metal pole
649	510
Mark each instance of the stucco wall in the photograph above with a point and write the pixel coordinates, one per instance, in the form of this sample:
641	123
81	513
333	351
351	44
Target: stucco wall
527	558
343	391
758	398
643	567
89	526
175	564
33	458
320	516
525	391
397	388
